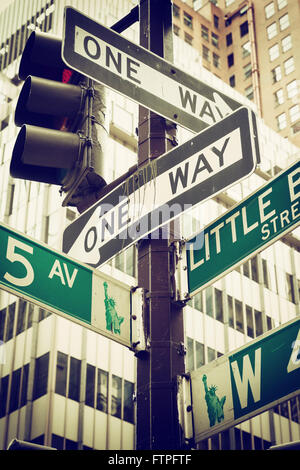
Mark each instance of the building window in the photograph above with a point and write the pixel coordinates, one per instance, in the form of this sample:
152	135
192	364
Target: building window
188	39
281	4
246	49
249	92
188	20
284	22
230	60
90	385
176	11
286	43
116	396
294	113
61	373
292	89
215	39
274	52
266	279
126	261
176	29
74	379
232	81
247	70
14	391
128	401
195	354
228	39
244	29
289	66
276	74
67	376
40	385
205	53
278	95
216	60
239	321
269	10
249	321
102	390
216	21
281	121
272	30
204	32
218	305
3	395
258	323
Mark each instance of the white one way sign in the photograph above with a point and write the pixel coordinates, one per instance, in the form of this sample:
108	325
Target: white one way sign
165	188
107	57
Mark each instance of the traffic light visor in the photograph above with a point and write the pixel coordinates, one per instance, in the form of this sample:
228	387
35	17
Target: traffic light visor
44	155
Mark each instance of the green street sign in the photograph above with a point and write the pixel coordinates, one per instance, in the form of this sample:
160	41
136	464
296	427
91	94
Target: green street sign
249	227
244	383
32	270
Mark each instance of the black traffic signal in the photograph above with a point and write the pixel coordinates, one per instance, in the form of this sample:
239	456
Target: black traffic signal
55	113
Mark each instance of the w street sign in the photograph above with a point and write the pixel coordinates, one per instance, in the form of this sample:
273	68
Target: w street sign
247	381
165	188
107	57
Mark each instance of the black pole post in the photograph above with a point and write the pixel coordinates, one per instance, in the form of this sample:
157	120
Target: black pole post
157	369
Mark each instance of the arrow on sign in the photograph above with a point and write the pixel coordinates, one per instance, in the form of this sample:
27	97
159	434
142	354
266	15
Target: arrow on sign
107	57
165	188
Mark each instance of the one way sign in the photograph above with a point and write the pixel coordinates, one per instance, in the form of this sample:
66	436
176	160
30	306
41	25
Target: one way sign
107	57
165	188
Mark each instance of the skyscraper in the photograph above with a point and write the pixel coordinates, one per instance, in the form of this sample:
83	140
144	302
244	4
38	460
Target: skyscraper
66	386
251	45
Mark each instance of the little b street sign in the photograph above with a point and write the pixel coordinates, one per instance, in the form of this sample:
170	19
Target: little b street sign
55	282
246	382
249	227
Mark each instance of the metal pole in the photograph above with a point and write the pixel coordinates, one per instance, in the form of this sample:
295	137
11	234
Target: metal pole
157	369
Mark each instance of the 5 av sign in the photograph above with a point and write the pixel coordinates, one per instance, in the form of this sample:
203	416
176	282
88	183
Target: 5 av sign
32	270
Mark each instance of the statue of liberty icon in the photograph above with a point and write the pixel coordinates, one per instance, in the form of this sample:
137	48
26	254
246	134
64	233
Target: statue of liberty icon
113	321
214	404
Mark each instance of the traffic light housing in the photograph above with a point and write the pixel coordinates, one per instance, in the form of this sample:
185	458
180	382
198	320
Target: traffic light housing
55	113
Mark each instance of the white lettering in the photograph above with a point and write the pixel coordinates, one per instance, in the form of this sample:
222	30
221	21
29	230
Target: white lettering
294	362
57	271
246	228
216	230
293	183
231	219
249	378
262	205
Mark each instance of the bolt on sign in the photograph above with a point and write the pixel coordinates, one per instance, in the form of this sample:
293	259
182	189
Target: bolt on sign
45	277
249	227
244	383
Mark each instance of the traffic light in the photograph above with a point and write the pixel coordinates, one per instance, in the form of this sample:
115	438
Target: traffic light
55	111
